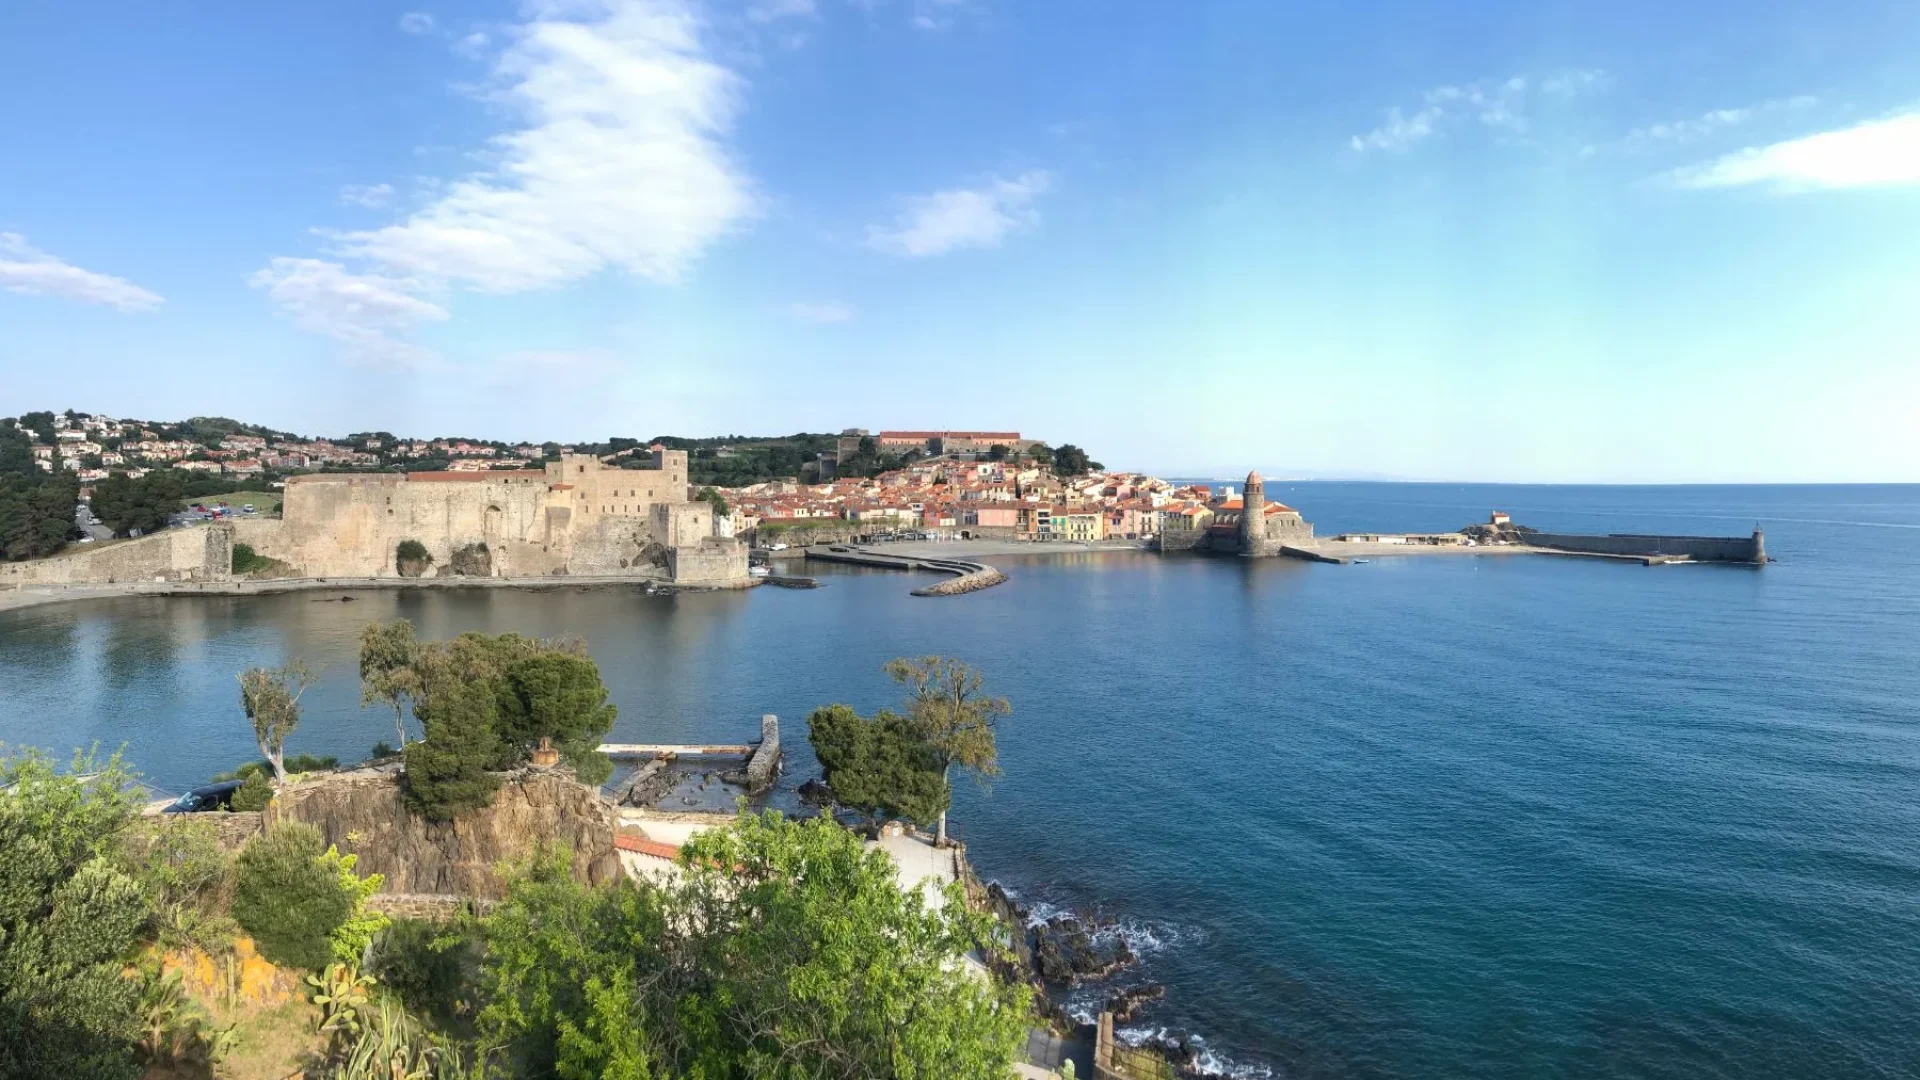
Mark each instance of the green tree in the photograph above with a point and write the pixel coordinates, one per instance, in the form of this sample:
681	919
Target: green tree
387	670
271	699
808	959
1040	454
289	898
70	919
878	765
1070	460
484	702
558	696
449	769
948	708
784	950
997	452
713	497
565	970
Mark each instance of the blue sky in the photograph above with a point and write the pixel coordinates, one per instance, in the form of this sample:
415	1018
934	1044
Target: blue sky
1481	241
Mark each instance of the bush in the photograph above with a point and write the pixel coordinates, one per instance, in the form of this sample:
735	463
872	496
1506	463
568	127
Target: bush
411	557
70	919
246	560
256	791
189	877
295	763
426	965
289	898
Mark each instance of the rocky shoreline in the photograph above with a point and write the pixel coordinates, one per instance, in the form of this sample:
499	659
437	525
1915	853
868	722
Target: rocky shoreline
1061	952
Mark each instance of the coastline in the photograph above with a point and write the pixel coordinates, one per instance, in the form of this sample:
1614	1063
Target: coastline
31	596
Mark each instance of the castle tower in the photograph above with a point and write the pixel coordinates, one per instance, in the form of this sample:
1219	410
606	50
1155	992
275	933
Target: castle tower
1253	515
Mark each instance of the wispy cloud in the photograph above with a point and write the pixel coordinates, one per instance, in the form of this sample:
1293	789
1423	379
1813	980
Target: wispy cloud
1708	124
1506	105
26	269
834	312
472	46
1877	153
416	22
364	312
766	11
621	163
972	217
938	15
371	196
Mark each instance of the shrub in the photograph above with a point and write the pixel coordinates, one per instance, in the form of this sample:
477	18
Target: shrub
295	763
246	560
69	921
357	931
288	897
189	878
411	557
426	965
255	792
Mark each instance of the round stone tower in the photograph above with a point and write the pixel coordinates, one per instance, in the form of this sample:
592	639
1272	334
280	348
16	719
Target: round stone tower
1253	515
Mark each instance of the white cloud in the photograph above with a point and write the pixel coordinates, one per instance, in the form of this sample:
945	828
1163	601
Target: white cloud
1878	153
620	162
1506	105
361	311
416	22
26	269
765	11
473	46
833	312
1707	124
372	196
977	217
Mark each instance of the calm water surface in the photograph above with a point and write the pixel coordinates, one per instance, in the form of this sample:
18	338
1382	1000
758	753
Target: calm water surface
1451	816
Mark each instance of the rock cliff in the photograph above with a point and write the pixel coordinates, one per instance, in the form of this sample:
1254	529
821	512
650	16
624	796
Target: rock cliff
362	812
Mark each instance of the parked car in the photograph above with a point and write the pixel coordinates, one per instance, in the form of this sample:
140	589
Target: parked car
247	509
202	799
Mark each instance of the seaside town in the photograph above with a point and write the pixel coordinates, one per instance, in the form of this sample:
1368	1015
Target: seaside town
946	484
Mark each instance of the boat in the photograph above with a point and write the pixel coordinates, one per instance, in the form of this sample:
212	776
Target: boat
760	571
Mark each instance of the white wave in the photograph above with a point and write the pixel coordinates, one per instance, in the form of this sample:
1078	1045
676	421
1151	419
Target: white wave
1206	1062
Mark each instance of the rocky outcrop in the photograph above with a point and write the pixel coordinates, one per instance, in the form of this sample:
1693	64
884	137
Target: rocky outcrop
763	766
363	813
474	560
647	785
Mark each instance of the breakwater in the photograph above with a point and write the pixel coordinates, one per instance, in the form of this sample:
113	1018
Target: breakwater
969	576
1749	550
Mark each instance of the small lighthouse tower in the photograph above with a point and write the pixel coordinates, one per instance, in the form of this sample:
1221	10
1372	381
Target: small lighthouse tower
1253	516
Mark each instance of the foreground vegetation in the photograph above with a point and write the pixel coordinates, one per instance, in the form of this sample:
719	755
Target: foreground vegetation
782	949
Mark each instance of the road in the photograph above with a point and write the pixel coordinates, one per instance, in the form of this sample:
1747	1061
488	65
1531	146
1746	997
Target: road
93	530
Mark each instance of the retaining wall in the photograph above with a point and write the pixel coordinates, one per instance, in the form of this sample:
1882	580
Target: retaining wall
201	553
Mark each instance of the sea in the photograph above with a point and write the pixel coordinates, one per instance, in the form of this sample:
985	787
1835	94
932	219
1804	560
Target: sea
1427	816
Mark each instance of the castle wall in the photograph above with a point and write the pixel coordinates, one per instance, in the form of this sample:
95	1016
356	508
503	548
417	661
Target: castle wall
712	562
204	553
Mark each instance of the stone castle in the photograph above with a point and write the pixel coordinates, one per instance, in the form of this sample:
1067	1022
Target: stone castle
576	516
1267	531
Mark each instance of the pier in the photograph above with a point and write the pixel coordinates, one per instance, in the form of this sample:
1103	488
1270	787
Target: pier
969	576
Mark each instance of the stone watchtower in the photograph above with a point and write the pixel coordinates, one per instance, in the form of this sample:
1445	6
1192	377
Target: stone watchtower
1253	516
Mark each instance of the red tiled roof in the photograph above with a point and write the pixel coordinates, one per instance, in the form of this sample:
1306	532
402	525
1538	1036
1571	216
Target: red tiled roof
644	846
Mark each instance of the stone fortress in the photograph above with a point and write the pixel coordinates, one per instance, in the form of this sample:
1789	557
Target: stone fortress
576	516
1272	529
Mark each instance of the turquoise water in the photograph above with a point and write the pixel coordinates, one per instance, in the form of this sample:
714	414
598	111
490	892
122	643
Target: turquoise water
1444	816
